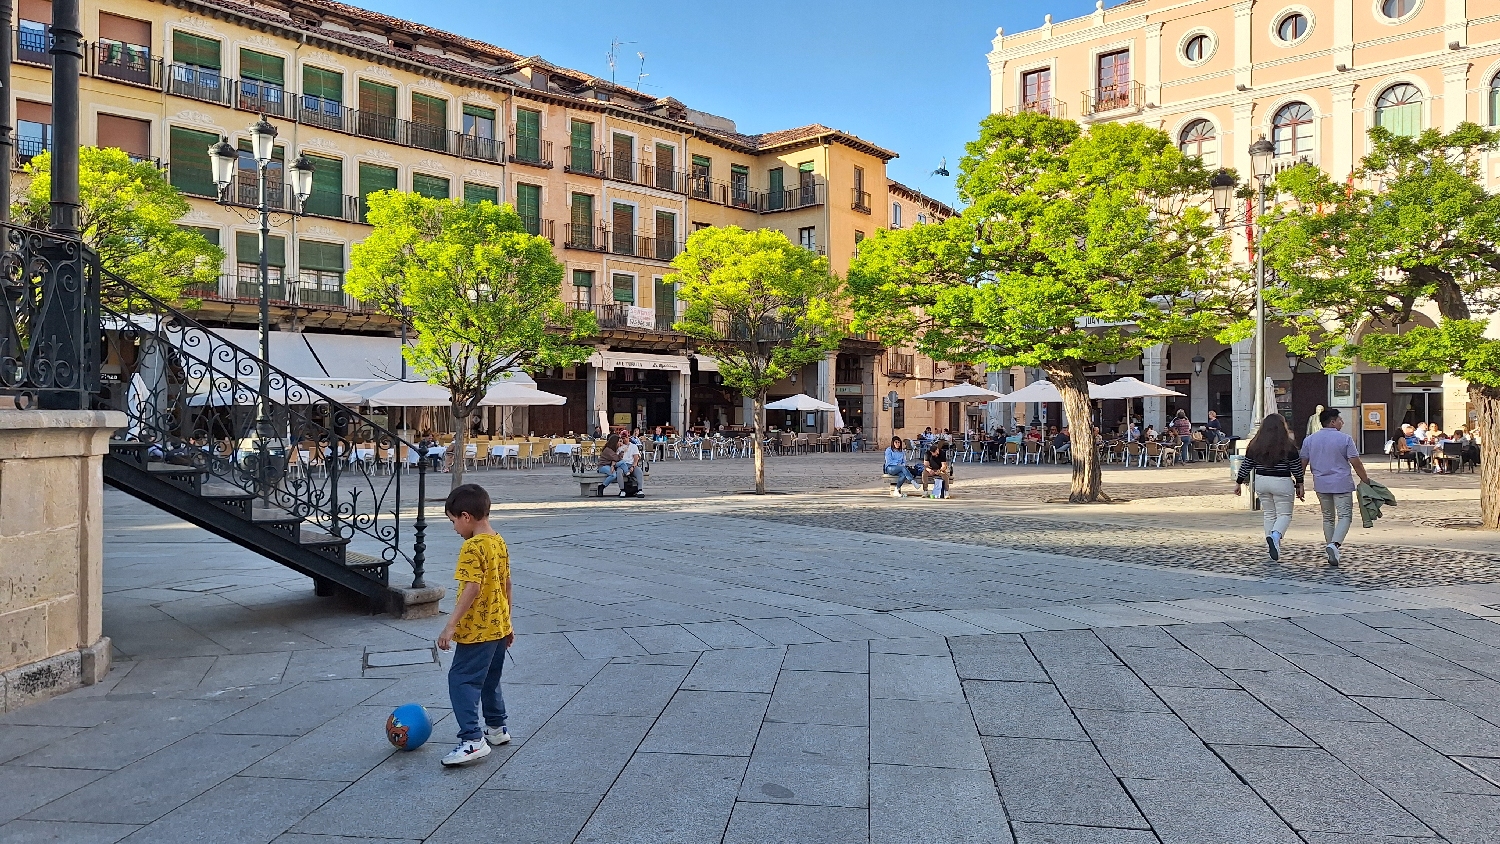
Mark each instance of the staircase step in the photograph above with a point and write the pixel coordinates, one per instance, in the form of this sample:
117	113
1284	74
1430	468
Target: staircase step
165	468
356	560
225	492
261	517
313	536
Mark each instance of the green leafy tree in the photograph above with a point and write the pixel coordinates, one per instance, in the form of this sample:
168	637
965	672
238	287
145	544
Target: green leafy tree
482	294
129	217
1358	259
762	306
1075	248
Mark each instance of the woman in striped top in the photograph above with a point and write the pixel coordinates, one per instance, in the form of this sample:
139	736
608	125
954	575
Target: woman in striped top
1272	456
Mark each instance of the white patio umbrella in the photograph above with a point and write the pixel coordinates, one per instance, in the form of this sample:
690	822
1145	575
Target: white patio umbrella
403	394
802	402
1036	391
509	394
960	392
1129	387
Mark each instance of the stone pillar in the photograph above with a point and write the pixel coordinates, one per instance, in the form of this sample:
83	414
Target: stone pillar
1343	34
1455	95
1154	372
52	545
826	368
997	73
1243	21
1242	365
1152	82
682	393
1344	135
873	417
597	395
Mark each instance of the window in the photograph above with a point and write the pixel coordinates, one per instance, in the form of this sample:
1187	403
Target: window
187	151
1112	75
327	197
246	189
323	98
528	134
34	130
622	162
196	51
623	287
807	238
432	187
1398	8
581	146
898	415
34	36
377	110
529	206
373	178
1292	129
475	194
210	235
581	221
479	122
1036	90
665	301
1292	27
702	174
895	215
921	218
739	184
1197	139
247	265
432	111
1196	48
1495	100
126	133
666	167
262	82
776	200
623	218
666	236
583	288
859	237
807	186
124	48
320	272
1399	109
196	67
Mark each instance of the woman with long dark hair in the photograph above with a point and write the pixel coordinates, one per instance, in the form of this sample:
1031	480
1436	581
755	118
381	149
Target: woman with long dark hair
1273	458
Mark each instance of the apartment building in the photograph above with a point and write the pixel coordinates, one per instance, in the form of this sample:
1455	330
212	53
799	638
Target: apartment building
1312	76
616	179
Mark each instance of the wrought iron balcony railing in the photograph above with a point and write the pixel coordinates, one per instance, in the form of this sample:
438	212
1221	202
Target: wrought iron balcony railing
32	45
539	227
29	148
529	149
1048	106
478	147
861	201
618	316
199	83
809	195
126	63
583	161
263	98
588	238
1119	97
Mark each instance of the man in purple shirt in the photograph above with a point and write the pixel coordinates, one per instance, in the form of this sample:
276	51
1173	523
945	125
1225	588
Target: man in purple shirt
1329	455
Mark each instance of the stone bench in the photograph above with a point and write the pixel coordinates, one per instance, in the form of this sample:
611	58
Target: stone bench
588	482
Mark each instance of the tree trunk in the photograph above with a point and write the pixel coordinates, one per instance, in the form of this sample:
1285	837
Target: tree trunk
757	406
1487	429
1088	481
461	429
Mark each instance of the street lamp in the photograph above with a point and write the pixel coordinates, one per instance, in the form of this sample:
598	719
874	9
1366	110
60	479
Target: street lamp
1198	361
1261	153
224	160
1292	359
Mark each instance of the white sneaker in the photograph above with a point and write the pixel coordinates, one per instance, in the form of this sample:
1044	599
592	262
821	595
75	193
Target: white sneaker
1273	542
497	735
896	493
466	753
1332	551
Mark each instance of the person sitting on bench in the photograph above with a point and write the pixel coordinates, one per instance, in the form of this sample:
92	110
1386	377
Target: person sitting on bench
608	457
895	466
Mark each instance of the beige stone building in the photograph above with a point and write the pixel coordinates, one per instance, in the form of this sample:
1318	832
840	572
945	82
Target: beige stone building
616	179
1312	76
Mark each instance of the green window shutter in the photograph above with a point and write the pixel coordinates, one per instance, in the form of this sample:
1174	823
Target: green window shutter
529	201
195	50
372	179
581	134
377	99
327	84
528	123
327	198
188	164
317	255
666	225
482	113
432	187
582	211
262	67
624	288
475	194
247	249
432	111
210	235
583	278
278	152
778	180
666	300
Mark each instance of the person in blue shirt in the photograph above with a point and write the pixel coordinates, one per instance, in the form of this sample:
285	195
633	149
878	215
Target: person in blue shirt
895	464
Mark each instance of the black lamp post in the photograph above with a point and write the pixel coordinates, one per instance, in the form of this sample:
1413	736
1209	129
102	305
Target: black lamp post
1223	184
225	161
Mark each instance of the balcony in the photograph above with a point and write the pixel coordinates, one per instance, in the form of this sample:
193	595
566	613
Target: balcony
478	147
583	161
808	195
248	287
1124	96
645	174
1047	106
245	287
32	44
539	227
325	114
198	83
334	206
29	148
426	136
722	193
628	243
262	98
615	316
662	248
126	63
899	364
244	191
528	149
587	238
312	295
861	202
380	127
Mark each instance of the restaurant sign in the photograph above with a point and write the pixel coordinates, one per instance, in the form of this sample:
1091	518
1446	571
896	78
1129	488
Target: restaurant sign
848	390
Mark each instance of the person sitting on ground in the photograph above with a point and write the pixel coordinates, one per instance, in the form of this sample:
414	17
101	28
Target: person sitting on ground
938	472
895	466
608	457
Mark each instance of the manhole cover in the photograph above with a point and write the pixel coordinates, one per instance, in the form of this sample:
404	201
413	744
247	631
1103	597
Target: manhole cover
391	659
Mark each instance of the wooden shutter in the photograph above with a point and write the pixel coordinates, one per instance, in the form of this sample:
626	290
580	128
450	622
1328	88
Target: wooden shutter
432	111
208	234
195	50
327	84
262	67
127	133
623	166
666	157
36	11
583	278
583	211
432	187
317	255
581	136
624	220
374	178
475	194
124	30
623	288
666	301
529	201
528	123
190	170
666	226
378	99
778	181
247	249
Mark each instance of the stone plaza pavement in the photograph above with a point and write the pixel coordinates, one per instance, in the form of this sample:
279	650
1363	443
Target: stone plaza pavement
830	665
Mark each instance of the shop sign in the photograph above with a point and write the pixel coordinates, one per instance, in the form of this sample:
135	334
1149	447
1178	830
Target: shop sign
1374	417
638	317
848	390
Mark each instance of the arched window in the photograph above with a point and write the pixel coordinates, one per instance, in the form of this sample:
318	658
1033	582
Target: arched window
1292	27
1198	139
1196	49
1397	8
1495	100
895	215
1399	109
1292	129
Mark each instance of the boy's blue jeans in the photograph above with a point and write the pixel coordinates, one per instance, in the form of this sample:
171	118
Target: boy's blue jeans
474	685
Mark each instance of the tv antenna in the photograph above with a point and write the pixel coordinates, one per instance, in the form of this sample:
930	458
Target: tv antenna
642	74
613	56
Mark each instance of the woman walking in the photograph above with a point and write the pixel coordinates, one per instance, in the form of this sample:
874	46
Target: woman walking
1272	456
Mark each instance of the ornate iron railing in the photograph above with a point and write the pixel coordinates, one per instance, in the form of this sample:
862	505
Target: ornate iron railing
49	336
194	398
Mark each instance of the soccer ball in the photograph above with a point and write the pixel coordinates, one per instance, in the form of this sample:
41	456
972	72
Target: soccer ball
408	727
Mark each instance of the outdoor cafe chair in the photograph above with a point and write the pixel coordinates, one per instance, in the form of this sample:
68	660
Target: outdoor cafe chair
1032	452
1012	453
1158	452
1134	451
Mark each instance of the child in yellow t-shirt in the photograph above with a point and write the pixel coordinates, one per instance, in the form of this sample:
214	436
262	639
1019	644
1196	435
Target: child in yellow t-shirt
479	630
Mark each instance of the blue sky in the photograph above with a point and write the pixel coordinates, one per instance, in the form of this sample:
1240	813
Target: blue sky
910	77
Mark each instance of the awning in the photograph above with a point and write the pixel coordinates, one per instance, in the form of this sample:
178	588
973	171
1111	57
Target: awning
516	394
707	364
1129	387
960	393
350	357
802	402
625	360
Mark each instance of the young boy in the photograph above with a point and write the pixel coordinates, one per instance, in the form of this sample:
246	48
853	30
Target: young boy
479	630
